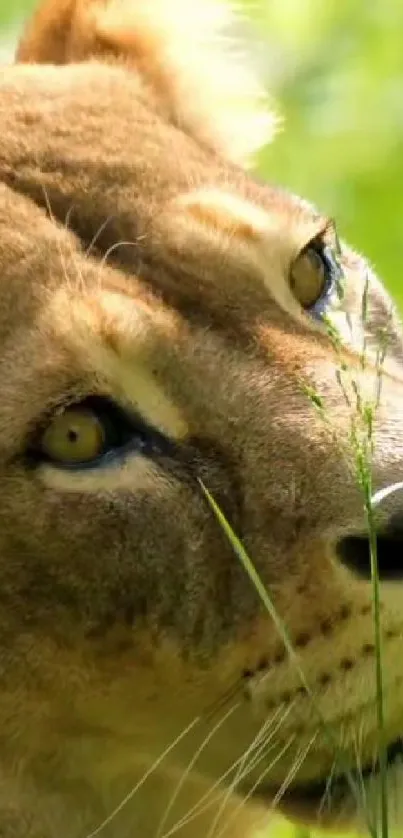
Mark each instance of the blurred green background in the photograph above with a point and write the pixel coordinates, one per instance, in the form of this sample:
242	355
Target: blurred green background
335	70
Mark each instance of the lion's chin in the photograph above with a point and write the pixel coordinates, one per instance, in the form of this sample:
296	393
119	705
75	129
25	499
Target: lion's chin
353	803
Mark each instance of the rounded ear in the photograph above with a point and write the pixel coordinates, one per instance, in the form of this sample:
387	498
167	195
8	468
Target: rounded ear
180	50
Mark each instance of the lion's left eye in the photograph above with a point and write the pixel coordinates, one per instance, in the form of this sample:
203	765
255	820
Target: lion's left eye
314	275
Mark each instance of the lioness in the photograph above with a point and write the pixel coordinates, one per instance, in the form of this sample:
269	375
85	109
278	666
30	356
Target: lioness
171	327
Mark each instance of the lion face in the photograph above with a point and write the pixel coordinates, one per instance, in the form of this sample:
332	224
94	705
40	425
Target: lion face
168	323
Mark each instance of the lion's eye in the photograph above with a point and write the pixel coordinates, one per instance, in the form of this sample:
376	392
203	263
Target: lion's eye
87	433
314	274
78	435
94	432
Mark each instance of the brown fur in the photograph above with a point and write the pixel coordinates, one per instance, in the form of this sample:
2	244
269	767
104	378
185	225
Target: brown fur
138	260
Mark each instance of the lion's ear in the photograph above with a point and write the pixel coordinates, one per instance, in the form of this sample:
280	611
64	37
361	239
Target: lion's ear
183	53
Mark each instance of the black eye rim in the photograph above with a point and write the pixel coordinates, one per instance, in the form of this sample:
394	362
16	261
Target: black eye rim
125	433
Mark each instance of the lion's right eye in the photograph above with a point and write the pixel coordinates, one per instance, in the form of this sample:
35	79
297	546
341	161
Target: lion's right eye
91	433
78	435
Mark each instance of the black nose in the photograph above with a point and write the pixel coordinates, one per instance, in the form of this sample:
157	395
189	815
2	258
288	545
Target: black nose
354	552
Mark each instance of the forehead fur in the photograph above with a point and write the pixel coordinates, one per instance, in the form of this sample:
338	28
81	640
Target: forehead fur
185	54
159	203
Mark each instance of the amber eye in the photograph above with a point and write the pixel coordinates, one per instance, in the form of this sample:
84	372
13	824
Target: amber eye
77	435
93	432
310	276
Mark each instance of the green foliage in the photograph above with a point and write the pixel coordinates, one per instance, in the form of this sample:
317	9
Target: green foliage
12	11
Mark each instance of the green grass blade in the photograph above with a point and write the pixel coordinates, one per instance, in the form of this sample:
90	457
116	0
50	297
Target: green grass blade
248	566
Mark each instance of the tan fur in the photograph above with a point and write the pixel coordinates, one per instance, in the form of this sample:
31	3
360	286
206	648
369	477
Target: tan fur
145	691
183	51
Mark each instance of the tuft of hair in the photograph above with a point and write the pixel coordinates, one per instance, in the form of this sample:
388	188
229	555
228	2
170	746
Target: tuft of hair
186	53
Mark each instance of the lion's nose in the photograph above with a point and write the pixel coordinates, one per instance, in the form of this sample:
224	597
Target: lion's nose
355	551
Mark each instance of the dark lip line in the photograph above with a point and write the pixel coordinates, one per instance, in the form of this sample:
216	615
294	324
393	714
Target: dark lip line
316	790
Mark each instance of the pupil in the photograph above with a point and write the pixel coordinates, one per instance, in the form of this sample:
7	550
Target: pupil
72	435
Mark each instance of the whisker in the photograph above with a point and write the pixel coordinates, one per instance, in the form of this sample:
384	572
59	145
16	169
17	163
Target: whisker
326	796
67	218
357	743
190	766
361	798
242	770
52	218
60	251
144	778
262	751
205	800
251	792
96	235
294	769
118	244
356	784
